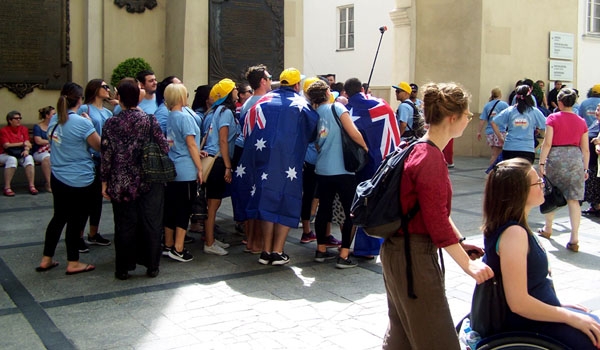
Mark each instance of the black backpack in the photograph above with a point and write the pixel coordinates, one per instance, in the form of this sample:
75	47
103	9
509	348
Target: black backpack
418	124
376	206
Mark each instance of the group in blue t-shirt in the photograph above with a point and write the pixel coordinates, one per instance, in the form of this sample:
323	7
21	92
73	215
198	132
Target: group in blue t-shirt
486	116
179	126
221	117
330	159
519	127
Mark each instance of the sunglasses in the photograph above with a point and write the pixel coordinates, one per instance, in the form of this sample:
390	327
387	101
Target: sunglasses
16	118
269	77
246	92
106	87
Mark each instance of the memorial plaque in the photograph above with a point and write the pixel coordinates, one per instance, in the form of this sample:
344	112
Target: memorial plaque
34	45
244	33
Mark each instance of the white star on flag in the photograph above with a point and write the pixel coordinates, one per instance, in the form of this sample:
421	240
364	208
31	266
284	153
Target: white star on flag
240	171
291	173
353	117
298	101
253	190
260	144
264	176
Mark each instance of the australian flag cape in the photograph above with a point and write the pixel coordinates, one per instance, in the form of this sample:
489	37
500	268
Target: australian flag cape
376	121
267	182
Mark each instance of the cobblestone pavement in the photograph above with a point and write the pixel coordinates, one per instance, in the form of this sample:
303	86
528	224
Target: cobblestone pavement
233	302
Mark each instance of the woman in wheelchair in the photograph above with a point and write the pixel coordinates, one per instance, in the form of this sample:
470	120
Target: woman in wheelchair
512	189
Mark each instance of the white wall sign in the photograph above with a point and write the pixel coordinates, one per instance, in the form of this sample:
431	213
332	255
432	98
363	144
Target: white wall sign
561	70
562	45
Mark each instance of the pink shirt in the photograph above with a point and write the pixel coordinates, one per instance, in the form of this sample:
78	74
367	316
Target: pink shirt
568	128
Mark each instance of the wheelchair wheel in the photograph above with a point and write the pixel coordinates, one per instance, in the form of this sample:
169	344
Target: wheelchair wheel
517	340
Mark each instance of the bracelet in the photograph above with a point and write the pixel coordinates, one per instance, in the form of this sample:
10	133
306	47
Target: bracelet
542	164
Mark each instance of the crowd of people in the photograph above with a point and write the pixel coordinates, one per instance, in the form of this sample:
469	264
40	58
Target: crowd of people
278	154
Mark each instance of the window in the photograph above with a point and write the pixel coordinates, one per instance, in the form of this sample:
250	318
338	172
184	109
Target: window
593	17
346	27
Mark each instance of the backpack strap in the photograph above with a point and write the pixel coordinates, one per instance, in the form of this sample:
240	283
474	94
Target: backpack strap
416	115
492	110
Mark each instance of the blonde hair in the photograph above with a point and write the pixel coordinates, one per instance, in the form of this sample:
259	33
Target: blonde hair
496	93
175	94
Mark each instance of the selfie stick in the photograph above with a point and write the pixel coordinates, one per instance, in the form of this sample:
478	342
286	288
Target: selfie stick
382	30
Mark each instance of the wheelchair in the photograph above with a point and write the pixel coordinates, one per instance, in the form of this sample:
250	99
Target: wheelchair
515	340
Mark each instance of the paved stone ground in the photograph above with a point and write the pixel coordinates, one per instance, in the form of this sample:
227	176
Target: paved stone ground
233	302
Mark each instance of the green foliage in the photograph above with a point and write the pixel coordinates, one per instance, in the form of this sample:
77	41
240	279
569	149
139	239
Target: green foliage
538	94
128	68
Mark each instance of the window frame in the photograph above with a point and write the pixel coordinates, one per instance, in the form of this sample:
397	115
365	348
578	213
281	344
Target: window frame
592	18
347	25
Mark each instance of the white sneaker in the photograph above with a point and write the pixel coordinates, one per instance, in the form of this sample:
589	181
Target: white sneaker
221	244
215	249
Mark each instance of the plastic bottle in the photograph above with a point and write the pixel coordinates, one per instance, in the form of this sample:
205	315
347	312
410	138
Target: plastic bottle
469	337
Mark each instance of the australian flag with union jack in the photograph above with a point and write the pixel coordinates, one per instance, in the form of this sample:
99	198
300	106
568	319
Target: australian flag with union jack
376	121
267	183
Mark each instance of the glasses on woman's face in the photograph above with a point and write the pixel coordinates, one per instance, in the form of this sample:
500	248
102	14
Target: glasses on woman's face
106	87
469	116
16	118
540	182
246	91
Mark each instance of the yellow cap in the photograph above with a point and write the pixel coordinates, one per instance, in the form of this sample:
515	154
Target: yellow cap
290	76
404	86
219	92
308	82
596	89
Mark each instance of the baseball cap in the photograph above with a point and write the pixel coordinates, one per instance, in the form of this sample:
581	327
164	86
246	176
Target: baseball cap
414	87
403	86
308	82
219	92
596	89
290	76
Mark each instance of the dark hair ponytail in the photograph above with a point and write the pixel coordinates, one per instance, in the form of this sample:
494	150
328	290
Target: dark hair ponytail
524	98
70	94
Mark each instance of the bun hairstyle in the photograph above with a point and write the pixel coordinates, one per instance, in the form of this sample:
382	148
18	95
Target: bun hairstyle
524	98
317	92
567	96
444	99
45	111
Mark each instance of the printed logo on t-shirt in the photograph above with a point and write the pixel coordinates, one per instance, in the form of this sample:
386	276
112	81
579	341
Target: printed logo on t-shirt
521	123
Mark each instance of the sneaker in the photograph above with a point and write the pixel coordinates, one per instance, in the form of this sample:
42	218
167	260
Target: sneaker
83	248
322	256
308	237
279	259
345	263
265	258
189	239
98	240
221	244
451	166
183	256
215	249
166	250
332	242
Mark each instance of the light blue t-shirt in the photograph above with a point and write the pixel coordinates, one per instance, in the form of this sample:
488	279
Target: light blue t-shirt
222	117
587	111
179	126
161	114
245	108
71	161
149	106
311	154
519	127
404	114
486	111
99	117
330	160
193	114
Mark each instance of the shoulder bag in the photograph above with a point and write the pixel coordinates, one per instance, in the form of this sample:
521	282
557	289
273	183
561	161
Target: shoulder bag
355	157
157	167
489	307
553	197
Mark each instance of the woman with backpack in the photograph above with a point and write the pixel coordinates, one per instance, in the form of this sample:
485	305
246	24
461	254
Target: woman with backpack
425	181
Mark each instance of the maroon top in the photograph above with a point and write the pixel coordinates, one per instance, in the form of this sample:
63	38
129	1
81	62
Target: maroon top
426	178
123	138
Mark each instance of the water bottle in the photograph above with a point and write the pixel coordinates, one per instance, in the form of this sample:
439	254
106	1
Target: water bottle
467	336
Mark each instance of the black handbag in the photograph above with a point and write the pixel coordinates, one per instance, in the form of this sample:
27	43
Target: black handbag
489	307
199	206
553	197
157	167
16	152
355	157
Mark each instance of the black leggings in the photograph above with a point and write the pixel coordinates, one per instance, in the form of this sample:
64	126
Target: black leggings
179	197
95	201
328	186
69	208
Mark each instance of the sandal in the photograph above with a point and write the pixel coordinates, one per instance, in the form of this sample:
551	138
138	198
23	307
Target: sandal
8	192
574	247
543	233
33	190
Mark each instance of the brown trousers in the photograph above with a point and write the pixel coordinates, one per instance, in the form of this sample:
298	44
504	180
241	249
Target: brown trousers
424	323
